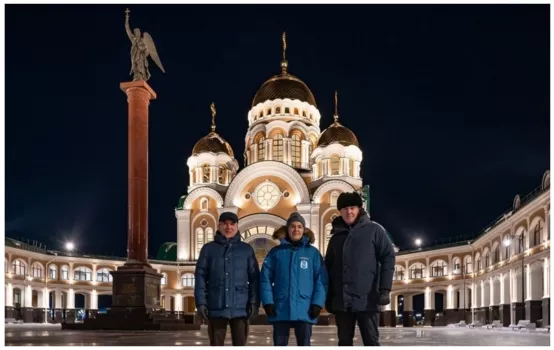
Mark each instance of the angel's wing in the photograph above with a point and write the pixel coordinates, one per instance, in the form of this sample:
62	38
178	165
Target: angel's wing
149	42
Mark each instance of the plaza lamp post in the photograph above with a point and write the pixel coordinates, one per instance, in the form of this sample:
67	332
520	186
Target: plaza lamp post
507	242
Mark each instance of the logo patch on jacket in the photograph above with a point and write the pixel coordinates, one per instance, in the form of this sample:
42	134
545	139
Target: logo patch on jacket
303	264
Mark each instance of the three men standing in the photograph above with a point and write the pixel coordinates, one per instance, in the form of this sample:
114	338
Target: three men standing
360	261
227	283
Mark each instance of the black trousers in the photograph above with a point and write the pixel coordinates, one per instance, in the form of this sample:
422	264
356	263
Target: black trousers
302	331
217	329
368	323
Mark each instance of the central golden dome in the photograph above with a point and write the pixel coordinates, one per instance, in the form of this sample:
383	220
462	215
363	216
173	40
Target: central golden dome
213	143
284	86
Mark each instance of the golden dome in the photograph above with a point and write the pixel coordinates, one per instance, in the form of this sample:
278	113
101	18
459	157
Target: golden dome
284	86
213	143
337	133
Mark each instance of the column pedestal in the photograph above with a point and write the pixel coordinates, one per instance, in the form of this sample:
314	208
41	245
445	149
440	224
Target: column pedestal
518	312
407	319
504	316
69	315
533	310
494	312
546	312
482	315
58	316
452	316
389	318
429	317
10	313
27	313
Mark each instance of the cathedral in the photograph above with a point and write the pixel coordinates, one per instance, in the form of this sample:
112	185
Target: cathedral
290	165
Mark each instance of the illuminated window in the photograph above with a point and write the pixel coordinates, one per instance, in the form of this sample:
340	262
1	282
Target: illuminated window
335	164
52	272
187	280
163	282
261	149
36	271
296	146
439	268
104	275
82	274
267	195
18	268
278	147
206	173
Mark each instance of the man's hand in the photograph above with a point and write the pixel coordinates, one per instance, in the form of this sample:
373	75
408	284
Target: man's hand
270	310
203	312
314	311
384	297
252	311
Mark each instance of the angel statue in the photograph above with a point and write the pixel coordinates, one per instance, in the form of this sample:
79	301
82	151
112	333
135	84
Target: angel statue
141	49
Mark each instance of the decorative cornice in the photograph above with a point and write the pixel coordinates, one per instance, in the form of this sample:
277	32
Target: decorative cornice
331	185
200	192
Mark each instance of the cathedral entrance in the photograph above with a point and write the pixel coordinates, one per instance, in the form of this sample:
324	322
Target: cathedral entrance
259	237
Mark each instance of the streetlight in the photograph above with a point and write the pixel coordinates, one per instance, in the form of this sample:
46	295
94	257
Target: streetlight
69	246
507	242
418	242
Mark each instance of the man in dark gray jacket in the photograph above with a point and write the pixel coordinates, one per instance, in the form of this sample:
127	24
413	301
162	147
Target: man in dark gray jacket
360	261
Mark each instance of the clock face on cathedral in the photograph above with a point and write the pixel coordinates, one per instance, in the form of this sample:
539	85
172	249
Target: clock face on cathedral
267	195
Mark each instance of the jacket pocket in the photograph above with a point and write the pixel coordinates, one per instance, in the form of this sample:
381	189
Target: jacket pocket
241	296
215	298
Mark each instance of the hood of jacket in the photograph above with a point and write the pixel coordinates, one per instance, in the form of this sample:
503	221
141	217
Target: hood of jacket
281	233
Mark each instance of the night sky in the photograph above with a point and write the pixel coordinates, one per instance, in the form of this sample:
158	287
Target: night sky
450	104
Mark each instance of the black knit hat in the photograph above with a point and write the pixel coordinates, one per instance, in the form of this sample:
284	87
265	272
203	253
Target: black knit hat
349	199
295	217
228	216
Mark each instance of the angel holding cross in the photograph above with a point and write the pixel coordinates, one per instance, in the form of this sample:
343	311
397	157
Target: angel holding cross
142	47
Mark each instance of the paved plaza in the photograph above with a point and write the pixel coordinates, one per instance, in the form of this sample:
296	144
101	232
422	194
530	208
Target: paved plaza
261	335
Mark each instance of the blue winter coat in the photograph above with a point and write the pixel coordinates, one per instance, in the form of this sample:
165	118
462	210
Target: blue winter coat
292	279
227	277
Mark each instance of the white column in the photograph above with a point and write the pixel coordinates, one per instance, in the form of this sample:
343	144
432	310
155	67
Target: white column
546	277
474	296
535	279
408	302
58	299
491	290
429	299
450	267
178	302
94	300
28	300
45	297
483	294
183	234
450	295
427	267
528	282
190	177
70	302
168	303
314	220
9	294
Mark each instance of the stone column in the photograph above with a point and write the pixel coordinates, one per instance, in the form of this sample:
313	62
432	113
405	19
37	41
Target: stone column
451	314
407	314
429	312
518	307
533	302
139	94
494	300
70	306
27	305
58	306
183	234
93	304
10	312
546	292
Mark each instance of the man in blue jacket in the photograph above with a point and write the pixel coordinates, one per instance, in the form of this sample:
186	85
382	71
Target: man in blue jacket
227	283
360	259
293	283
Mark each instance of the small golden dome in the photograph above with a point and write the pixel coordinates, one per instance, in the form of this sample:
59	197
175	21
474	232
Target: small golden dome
213	143
337	133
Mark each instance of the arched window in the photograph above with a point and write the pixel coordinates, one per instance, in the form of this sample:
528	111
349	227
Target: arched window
187	280
495	254
206	173
487	259
199	240
82	274
268	112
277	110
439	268
209	234
204	204
261	148
65	273
417	271
296	111
163	282
19	268
334	197
278	147
399	273
52	272
456	266
467	265
222	174
478	262
296	147
335	165
36	270
104	275
287	110
304	114
537	234
266	230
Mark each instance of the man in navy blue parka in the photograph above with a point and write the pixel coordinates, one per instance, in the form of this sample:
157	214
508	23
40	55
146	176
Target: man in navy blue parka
227	283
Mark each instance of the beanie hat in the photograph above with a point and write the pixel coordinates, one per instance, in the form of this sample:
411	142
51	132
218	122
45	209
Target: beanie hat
228	216
295	217
349	199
